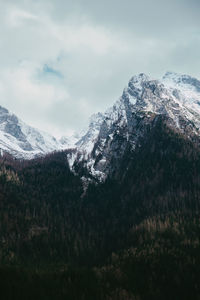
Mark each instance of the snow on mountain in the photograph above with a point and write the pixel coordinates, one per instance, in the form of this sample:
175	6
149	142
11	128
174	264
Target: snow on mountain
69	142
100	146
175	96
86	142
23	141
184	87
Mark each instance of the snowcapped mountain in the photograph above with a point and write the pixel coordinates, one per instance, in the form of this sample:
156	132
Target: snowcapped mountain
23	141
177	97
185	87
99	148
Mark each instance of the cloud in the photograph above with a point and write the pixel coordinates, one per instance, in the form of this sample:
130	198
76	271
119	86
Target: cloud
31	99
62	60
18	17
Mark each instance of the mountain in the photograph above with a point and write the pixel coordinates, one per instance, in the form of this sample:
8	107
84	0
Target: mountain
117	214
23	141
177	97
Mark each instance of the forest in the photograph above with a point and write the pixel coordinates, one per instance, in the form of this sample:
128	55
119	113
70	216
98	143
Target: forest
135	236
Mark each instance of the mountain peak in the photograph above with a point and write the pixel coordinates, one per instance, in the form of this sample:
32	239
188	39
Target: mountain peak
142	100
182	81
176	96
139	78
23	141
171	75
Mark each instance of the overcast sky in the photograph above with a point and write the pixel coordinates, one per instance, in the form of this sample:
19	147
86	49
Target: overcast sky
61	61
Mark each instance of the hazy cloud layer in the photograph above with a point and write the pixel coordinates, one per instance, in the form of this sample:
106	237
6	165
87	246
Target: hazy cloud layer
61	61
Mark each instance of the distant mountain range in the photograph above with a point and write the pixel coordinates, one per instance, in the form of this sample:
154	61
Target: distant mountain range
175	96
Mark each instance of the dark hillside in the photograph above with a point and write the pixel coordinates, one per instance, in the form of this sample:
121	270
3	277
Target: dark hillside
135	236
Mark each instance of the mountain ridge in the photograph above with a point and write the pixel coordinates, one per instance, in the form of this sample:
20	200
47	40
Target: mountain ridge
175	96
23	141
125	223
140	100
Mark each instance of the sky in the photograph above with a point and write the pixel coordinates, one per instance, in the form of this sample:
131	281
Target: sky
61	61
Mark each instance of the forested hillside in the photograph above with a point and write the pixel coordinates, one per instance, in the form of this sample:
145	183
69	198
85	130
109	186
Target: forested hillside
134	236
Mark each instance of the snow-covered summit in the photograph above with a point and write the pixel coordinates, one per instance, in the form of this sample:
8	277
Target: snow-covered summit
185	88
182	81
175	96
22	140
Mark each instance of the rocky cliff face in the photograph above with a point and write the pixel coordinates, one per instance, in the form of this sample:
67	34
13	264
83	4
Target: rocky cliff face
176	97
